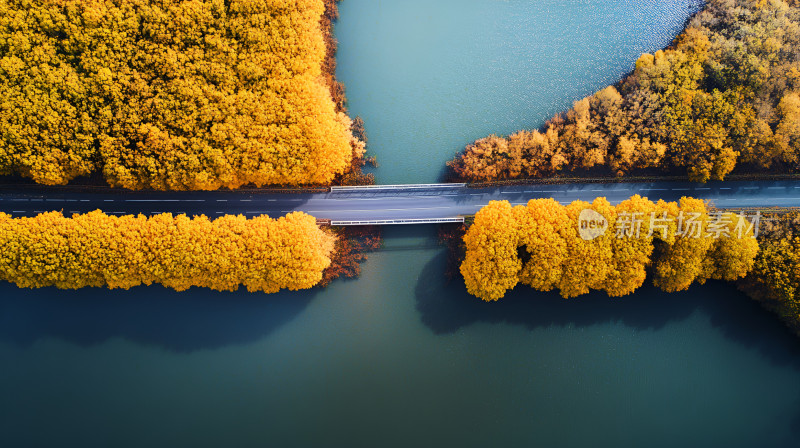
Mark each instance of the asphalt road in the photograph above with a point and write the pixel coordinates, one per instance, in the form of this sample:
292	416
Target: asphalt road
411	203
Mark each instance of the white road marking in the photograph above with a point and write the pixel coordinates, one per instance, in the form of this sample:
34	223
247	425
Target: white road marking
749	188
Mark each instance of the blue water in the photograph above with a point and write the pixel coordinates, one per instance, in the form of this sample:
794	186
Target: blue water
397	358
431	76
400	357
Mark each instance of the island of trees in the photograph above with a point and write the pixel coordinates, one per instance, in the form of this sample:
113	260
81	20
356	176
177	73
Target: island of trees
98	250
726	94
539	245
171	95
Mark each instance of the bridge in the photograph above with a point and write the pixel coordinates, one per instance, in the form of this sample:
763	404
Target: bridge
382	204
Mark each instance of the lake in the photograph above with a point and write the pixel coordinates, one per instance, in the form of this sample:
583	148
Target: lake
400	357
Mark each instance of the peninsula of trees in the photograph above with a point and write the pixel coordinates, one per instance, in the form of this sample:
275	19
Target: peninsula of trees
725	94
169	94
539	245
98	250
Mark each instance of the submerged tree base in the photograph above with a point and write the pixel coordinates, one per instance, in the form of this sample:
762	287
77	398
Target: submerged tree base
352	246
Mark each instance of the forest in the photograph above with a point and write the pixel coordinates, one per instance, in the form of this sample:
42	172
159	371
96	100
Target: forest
775	278
540	245
724	96
98	250
170	94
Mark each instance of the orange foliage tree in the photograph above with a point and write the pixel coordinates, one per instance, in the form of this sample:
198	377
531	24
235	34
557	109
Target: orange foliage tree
727	91
99	250
540	245
169	94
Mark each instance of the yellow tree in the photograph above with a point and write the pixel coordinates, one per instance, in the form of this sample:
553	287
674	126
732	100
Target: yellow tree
544	227
637	222
679	263
588	261
734	247
491	265
178	252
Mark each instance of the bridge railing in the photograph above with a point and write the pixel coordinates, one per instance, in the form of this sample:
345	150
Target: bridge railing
385	222
397	187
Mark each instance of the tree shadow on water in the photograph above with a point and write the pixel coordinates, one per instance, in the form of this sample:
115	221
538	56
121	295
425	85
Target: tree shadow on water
153	315
446	308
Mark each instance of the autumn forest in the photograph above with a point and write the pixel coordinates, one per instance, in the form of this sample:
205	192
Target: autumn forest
204	95
168	95
724	97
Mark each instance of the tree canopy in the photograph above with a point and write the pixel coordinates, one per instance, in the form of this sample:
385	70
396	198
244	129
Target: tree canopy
99	250
540	244
168	94
725	93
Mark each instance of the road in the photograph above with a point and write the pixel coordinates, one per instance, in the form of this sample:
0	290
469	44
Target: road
407	203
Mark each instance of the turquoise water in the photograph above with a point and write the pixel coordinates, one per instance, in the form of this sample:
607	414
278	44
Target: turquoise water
396	359
431	76
400	357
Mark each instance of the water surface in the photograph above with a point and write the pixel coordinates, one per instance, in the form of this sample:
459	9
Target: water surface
399	357
430	76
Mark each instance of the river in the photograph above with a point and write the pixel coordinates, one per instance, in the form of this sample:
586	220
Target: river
400	357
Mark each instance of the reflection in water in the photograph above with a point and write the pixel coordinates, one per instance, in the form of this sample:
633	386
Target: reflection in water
447	308
180	321
397	348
